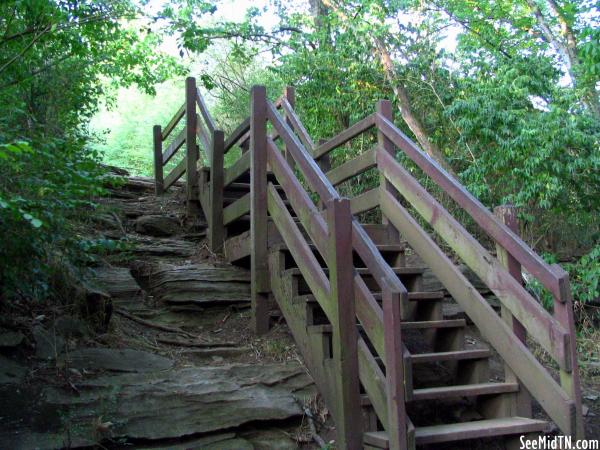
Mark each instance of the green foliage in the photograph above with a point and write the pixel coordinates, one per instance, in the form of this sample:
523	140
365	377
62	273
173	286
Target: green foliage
124	136
585	277
511	108
43	187
53	58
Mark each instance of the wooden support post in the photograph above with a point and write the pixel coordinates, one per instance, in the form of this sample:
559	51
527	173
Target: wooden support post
384	107
394	367
569	380
258	209
191	147
216	229
159	184
508	215
290	94
345	336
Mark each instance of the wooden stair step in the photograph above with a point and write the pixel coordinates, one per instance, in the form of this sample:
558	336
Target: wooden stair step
417	295
458	355
412	296
383	248
425	324
478	429
365	271
463	390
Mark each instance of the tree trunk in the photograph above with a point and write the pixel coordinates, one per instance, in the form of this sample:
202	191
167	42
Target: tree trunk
566	47
405	109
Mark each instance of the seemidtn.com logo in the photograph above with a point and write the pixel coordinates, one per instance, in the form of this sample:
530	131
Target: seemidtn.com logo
558	443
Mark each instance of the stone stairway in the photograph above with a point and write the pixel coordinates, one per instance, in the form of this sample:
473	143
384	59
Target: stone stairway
178	366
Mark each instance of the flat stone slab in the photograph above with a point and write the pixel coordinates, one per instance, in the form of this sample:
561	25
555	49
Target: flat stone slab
158	225
164	247
201	284
161	405
115	359
117	281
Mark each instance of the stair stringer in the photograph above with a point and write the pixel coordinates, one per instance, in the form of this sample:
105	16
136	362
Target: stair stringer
310	344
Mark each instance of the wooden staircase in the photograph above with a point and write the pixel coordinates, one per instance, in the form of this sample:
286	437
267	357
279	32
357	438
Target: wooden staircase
395	371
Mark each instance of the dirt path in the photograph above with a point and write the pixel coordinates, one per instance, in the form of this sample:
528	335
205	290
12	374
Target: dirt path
178	366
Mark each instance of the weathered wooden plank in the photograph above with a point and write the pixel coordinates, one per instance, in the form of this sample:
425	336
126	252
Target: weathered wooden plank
346	135
369	314
313	356
258	209
174	146
159	186
374	261
204	190
303	256
373	380
297	125
289	96
315	178
191	148
563	312
237	134
173	122
237	247
345	335
216	232
309	168
522	400
534	376
205	138
205	112
311	218
355	166
175	174
366	201
482	216
237	169
394	368
541	325
385	109
237	209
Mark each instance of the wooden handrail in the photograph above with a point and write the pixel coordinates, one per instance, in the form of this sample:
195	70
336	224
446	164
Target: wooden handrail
297	125
355	166
482	216
173	122
237	134
204	111
174	146
548	331
535	377
346	135
366	249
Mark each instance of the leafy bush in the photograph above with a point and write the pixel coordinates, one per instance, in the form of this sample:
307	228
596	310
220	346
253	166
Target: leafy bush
43	190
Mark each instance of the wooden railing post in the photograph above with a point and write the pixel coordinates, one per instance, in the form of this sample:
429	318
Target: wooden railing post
345	337
258	209
508	215
216	229
159	184
569	380
385	108
191	147
394	367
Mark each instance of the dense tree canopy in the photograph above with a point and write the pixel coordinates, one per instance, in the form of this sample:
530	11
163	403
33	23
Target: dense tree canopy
502	93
